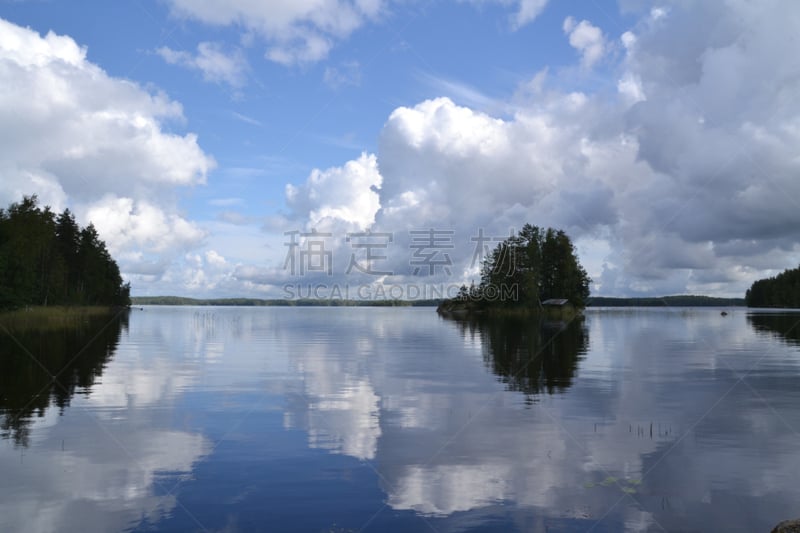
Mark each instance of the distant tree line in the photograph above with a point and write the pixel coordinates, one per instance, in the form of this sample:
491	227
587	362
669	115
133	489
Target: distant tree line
528	268
48	259
782	290
256	302
680	300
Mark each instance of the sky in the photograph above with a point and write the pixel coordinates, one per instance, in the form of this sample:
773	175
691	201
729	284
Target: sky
371	148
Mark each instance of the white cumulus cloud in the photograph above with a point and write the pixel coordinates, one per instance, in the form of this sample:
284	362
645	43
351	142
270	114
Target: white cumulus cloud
104	146
683	180
345	195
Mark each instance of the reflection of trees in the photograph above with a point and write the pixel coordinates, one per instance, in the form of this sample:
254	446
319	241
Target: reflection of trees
531	355
786	325
46	367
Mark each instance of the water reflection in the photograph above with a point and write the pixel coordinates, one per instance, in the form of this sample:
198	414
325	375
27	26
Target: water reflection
786	325
530	355
393	420
43	367
79	453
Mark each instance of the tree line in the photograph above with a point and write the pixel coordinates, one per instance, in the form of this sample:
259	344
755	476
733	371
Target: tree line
679	300
526	269
782	290
283	302
48	259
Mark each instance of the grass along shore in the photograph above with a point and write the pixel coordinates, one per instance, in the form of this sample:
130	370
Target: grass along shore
52	317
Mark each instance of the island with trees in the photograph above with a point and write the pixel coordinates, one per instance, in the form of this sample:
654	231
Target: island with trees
535	271
47	260
781	291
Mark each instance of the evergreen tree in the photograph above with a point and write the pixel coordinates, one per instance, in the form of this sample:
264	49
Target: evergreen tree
782	290
47	260
539	264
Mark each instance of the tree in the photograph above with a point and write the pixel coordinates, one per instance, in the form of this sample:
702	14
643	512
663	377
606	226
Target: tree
538	264
782	290
46	260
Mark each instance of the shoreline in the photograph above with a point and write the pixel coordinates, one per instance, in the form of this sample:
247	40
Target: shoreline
53	316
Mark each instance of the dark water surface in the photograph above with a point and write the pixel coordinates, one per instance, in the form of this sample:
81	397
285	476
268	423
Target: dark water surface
380	419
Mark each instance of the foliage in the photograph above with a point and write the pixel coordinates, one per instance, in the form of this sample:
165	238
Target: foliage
782	290
526	269
52	317
48	259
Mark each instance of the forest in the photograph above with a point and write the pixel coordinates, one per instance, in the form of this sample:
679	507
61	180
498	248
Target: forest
527	269
782	290
48	259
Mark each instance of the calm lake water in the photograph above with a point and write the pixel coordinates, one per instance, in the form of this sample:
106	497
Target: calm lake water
381	419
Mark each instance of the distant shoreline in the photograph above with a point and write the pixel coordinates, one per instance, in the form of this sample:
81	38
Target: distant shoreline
595	301
666	301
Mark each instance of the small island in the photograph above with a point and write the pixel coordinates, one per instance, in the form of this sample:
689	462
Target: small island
534	272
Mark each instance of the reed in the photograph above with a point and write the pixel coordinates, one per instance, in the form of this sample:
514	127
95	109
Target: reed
45	318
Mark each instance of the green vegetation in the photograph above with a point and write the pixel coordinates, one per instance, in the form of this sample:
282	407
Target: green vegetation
782	290
665	301
54	317
255	302
48	259
522	272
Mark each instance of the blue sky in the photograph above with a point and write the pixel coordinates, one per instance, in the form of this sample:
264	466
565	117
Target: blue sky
195	135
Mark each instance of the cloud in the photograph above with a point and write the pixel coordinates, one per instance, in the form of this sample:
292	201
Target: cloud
104	146
211	60
305	31
526	10
302	31
684	178
78	131
247	119
586	39
141	225
710	129
465	168
344	195
462	93
666	183
226	202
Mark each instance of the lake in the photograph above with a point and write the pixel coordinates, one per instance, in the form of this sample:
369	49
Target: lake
394	419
